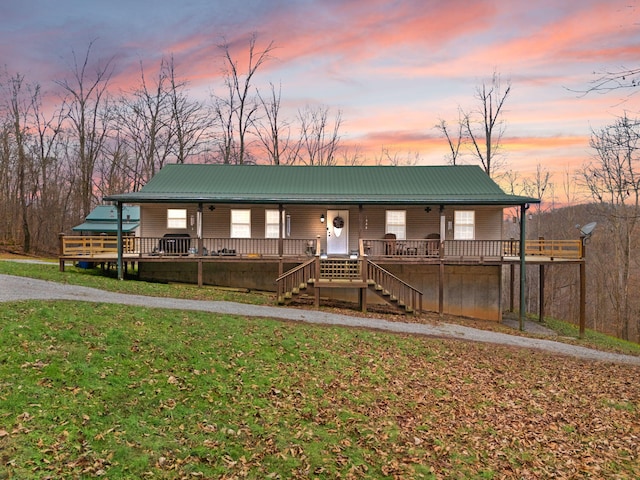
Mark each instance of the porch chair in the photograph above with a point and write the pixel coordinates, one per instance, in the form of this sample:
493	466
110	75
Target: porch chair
390	244
433	248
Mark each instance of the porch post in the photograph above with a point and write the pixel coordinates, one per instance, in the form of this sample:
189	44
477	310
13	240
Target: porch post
541	288
512	284
523	221
583	289
199	228
316	284
280	240
362	297
541	300
441	287
443	223
119	217
61	251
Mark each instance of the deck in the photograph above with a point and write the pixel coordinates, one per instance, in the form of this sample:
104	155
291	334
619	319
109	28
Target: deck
361	269
104	249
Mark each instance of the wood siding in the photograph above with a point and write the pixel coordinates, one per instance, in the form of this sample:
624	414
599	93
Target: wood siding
368	222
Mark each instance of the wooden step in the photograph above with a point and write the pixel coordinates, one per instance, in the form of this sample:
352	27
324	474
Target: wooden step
339	283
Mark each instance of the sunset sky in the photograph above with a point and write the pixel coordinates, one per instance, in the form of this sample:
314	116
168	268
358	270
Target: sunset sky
393	68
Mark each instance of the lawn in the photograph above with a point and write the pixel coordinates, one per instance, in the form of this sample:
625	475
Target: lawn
95	278
90	390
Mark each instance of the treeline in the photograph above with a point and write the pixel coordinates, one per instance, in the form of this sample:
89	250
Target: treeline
606	311
611	179
67	144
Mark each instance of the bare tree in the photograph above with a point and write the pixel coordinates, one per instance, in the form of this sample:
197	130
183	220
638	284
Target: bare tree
237	111
610	80
8	205
190	121
116	171
224	109
613	178
19	108
352	156
319	135
537	187
51	174
32	176
144	123
86	108
387	157
454	142
273	132
395	158
480	129
485	126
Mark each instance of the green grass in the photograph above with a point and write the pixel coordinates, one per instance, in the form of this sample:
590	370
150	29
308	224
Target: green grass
119	392
567	332
96	278
593	339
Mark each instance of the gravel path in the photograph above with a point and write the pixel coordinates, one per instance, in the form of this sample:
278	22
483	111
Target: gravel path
14	288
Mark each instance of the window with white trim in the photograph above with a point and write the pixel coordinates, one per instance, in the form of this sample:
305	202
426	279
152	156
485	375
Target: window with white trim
464	225
396	222
271	224
176	218
241	223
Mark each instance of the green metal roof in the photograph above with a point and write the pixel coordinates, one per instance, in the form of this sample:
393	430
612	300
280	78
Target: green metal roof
322	185
105	227
108	213
103	218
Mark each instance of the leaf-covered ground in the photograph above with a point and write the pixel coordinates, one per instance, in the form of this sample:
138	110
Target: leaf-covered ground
92	390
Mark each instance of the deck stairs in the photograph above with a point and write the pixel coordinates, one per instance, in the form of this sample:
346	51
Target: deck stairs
362	274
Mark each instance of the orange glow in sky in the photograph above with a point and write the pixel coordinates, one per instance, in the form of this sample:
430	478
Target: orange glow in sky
394	69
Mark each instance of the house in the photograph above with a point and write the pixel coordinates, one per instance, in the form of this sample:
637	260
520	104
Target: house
420	237
103	219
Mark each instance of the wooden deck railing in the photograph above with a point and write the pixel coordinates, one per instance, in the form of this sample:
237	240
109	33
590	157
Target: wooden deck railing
93	246
97	245
469	249
473	248
395	248
554	248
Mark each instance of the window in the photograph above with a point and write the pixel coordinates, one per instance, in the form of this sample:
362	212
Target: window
272	226
465	222
397	223
240	223
176	218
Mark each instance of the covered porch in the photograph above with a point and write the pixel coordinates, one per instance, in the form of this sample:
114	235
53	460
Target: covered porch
101	248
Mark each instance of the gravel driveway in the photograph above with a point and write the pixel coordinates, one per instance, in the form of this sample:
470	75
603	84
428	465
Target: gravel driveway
21	288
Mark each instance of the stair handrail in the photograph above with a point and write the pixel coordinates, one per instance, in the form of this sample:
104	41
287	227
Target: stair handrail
281	281
415	298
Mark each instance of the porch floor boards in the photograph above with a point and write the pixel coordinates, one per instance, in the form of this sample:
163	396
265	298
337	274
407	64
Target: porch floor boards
400	260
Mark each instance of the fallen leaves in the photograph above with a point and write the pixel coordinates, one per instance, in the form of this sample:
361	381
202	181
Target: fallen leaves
210	397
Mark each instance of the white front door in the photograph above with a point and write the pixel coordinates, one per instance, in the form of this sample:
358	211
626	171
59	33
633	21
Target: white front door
337	232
